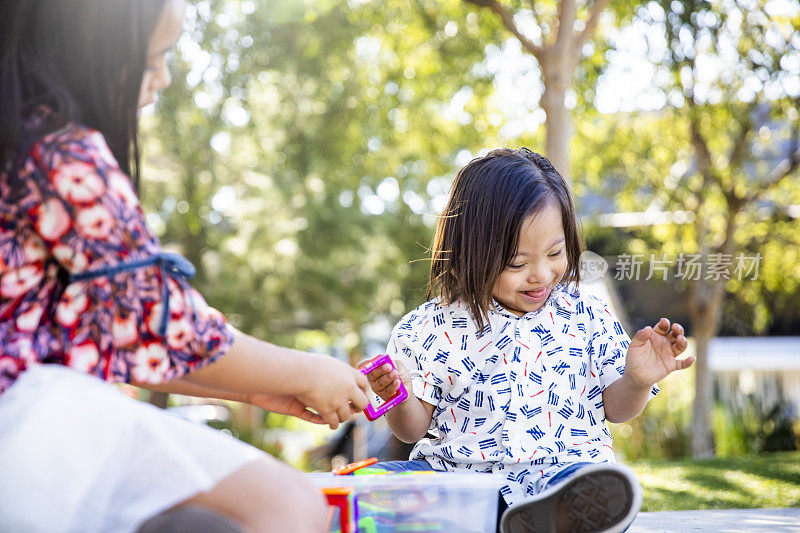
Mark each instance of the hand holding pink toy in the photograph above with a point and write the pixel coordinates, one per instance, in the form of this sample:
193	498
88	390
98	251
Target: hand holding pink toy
385	380
386	383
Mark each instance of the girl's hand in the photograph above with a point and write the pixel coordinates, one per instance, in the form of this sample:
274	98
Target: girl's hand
285	404
652	353
385	381
334	389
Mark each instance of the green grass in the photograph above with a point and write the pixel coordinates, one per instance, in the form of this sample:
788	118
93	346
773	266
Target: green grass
770	480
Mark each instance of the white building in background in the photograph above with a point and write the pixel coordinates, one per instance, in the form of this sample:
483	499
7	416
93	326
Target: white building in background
763	366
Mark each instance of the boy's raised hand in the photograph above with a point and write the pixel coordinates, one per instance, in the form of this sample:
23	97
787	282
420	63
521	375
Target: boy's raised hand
385	381
653	351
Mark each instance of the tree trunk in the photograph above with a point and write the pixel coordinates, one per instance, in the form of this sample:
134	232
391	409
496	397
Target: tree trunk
702	434
705	300
705	310
558	128
558	60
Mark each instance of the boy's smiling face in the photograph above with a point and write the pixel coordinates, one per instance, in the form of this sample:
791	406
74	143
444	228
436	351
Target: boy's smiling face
538	265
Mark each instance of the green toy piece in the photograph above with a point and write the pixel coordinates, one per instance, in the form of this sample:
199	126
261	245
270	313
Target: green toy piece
370	471
367	525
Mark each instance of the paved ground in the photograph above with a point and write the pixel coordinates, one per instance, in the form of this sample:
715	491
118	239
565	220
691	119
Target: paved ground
719	521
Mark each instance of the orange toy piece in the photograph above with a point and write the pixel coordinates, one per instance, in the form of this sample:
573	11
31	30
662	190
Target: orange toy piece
352	467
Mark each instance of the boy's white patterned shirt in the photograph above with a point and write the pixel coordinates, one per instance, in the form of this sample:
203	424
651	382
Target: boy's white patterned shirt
523	396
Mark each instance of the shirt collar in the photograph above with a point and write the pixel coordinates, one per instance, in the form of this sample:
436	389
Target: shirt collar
564	297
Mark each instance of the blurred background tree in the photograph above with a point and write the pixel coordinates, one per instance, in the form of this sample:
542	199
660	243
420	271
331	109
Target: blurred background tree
305	148
719	155
558	35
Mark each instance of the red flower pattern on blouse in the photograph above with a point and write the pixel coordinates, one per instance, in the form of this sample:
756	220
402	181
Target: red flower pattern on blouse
67	210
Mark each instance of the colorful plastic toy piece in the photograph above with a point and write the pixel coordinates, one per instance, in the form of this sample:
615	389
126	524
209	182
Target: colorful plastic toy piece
367	525
345	499
397	398
333	518
352	467
371	471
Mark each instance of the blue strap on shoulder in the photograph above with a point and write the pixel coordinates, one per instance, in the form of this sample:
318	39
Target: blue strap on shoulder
171	265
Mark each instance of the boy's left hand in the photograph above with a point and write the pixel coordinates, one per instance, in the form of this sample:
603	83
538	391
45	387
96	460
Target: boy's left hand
652	353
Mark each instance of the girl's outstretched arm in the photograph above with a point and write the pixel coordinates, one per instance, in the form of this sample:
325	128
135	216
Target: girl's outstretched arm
254	367
652	356
285	404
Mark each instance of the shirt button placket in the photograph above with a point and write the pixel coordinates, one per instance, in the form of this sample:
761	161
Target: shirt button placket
526	341
509	432
531	363
532	347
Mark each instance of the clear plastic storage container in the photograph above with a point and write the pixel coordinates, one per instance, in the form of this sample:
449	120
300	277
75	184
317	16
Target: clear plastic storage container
420	501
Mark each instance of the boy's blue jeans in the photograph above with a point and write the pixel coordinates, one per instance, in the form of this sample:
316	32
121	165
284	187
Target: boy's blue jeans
423	465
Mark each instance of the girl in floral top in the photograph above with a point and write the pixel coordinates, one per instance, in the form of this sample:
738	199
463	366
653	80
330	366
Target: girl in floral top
87	297
514	370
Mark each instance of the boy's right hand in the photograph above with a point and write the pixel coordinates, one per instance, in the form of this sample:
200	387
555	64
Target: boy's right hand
335	389
385	381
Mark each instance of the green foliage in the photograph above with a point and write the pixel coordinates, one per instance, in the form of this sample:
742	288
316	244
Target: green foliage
299	156
326	126
733	433
746	424
709	154
644	161
762	421
662	430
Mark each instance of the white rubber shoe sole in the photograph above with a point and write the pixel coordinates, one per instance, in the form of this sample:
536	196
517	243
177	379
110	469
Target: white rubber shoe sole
601	498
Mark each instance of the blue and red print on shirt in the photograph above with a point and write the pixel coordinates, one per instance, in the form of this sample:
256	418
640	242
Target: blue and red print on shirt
522	396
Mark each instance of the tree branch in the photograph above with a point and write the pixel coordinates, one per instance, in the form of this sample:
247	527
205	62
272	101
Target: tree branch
740	144
598	6
567	13
783	169
562	47
704	162
508	21
535	14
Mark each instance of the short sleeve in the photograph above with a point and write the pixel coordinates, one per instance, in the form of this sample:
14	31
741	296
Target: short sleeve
608	345
88	216
410	343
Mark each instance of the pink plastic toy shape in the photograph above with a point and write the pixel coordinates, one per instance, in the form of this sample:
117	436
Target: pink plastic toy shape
397	398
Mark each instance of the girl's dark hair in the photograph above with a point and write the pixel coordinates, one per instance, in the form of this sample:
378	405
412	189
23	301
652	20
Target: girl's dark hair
80	60
478	232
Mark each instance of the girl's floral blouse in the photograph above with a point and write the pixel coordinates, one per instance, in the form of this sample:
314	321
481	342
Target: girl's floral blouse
68	210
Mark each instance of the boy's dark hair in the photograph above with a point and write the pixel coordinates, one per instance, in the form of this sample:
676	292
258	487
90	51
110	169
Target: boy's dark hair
478	232
83	61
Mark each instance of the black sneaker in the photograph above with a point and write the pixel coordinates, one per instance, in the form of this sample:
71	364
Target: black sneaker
597	498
